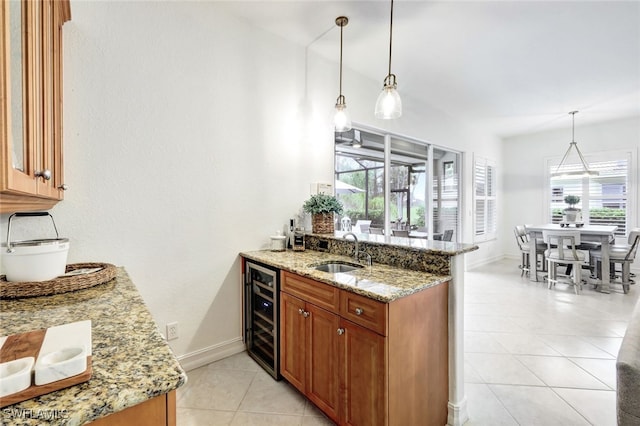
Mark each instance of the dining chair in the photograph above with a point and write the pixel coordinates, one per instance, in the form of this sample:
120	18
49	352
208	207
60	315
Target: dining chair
377	231
561	249
522	239
523	246
362	226
400	233
541	247
624	254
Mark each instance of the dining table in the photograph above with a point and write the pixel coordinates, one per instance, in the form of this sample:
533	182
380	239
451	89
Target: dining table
602	234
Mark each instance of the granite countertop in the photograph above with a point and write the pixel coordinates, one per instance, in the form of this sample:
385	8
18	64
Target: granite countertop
448	248
381	282
131	362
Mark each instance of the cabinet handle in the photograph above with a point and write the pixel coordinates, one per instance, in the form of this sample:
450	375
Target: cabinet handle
63	187
300	311
340	331
303	312
306	314
44	174
359	311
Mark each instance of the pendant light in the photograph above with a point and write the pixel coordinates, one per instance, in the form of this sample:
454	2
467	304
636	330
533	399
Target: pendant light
584	171
389	105
341	118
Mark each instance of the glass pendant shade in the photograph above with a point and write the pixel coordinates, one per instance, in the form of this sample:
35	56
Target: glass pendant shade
389	104
341	118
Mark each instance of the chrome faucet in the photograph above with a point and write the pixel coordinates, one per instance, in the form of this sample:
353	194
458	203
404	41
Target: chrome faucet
355	253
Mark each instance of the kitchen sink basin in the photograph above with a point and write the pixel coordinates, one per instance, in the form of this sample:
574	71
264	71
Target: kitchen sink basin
338	267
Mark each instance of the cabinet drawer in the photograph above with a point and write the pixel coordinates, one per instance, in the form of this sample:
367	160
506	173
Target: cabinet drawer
320	294
366	312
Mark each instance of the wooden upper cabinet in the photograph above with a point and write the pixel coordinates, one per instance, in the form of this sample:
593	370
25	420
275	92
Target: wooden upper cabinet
31	166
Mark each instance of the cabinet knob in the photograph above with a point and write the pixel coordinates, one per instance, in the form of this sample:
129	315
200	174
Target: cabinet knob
359	311
340	331
63	187
303	312
44	174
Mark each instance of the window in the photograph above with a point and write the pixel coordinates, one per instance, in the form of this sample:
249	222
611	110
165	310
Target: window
423	183
486	211
604	199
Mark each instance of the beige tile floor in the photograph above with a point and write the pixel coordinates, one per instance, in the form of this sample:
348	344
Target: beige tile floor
533	356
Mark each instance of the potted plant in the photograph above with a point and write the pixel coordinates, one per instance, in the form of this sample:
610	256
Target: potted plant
322	207
572	214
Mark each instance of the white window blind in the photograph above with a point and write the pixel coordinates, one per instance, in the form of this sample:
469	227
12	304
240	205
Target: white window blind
485	202
604	199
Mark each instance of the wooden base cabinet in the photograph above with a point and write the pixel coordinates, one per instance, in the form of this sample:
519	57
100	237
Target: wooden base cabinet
158	411
364	362
364	376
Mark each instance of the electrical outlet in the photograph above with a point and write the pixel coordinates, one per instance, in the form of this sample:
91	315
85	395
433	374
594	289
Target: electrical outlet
172	331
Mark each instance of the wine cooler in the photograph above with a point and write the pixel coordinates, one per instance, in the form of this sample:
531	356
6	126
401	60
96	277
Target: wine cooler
262	315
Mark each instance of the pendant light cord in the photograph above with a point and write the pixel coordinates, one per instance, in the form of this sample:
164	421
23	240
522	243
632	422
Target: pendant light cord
341	28
390	37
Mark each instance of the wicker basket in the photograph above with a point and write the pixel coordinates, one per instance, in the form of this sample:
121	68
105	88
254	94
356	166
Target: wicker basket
322	223
14	290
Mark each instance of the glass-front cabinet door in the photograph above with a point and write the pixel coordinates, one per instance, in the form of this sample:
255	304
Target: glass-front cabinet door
31	175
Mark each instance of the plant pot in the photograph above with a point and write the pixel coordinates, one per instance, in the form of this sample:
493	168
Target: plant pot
572	215
322	223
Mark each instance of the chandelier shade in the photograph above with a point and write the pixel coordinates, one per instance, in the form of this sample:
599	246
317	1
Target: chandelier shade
584	171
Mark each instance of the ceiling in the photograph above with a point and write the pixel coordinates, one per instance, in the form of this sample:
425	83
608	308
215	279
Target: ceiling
508	67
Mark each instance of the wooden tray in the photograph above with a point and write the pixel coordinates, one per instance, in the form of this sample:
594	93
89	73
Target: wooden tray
14	290
29	344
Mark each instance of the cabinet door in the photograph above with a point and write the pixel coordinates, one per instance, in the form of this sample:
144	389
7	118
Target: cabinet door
47	146
31	175
293	340
17	56
322	360
364	380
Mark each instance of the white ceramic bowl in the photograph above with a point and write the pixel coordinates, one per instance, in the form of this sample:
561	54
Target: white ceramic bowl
58	365
15	375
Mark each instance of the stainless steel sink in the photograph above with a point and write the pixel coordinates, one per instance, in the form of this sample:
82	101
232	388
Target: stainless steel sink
337	267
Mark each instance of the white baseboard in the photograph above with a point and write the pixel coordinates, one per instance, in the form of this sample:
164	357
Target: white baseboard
482	262
211	354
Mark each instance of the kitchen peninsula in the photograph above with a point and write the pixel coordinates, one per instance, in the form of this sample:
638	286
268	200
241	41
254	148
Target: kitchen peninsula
414	291
135	373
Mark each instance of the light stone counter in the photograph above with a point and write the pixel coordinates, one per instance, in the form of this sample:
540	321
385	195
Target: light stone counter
381	282
131	362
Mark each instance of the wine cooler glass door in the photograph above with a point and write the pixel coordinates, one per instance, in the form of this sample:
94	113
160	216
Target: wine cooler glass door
261	316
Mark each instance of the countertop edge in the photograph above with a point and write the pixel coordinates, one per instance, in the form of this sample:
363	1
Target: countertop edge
430	280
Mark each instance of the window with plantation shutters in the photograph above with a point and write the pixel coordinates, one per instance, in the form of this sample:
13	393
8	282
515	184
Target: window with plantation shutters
484	183
604	199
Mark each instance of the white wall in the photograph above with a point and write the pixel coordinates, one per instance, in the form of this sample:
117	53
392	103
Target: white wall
524	163
191	136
